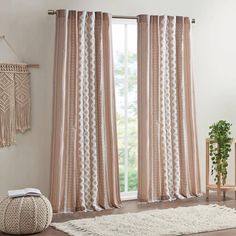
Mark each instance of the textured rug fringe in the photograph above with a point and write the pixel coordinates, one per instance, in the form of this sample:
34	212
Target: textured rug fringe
171	221
67	229
225	208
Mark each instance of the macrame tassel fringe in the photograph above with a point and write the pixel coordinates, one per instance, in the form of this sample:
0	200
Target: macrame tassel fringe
23	118
23	101
7	128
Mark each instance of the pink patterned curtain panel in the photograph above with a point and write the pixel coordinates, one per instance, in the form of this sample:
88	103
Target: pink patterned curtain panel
84	168
168	150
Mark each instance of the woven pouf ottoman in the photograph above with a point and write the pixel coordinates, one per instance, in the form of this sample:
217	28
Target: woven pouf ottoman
25	215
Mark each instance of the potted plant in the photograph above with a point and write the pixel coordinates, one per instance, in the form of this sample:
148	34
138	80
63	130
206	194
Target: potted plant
219	150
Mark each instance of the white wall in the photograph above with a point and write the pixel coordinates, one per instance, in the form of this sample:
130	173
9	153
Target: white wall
31	31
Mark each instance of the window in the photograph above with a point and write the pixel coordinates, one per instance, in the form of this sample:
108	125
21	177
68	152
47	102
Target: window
125	67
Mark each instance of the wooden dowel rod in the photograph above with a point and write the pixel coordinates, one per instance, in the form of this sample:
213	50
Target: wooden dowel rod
207	170
235	167
33	65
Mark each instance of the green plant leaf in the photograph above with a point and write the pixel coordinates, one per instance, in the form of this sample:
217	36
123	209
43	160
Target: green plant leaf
219	151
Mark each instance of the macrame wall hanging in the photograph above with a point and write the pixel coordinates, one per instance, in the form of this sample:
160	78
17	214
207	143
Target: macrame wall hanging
15	100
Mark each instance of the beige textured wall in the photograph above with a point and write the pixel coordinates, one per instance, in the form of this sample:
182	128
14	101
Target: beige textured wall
31	31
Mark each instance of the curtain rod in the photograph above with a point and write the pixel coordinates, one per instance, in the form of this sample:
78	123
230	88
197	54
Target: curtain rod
53	12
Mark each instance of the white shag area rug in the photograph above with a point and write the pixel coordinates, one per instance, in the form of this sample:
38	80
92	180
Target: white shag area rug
173	221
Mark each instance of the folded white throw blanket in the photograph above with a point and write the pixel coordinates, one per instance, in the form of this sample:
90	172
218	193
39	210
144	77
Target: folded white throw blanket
24	192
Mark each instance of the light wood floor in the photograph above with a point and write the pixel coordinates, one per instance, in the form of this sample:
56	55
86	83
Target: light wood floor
134	206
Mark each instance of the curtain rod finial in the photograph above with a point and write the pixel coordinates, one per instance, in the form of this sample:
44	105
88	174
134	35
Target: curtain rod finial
51	12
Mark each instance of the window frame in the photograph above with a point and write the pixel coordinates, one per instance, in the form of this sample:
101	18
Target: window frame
126	195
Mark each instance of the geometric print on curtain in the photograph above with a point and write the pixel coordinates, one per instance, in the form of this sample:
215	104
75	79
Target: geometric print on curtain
84	168
168	150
